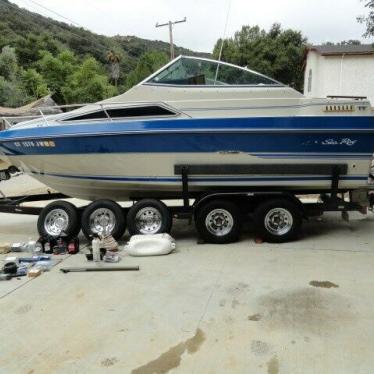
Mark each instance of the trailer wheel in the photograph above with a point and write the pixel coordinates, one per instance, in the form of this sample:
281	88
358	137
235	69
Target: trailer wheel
218	222
149	216
278	221
58	217
103	216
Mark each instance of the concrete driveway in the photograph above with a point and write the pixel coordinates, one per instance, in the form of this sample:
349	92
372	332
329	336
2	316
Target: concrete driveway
304	307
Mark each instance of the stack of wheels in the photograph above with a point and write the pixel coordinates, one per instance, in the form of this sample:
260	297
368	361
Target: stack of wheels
146	217
275	220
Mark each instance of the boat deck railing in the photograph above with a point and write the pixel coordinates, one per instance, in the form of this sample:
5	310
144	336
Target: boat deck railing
42	112
47	112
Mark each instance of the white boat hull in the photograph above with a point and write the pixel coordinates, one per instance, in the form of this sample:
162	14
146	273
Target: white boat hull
124	176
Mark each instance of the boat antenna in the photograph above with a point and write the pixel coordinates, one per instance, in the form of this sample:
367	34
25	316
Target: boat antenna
223	38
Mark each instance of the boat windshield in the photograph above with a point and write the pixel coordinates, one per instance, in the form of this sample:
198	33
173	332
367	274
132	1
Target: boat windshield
200	72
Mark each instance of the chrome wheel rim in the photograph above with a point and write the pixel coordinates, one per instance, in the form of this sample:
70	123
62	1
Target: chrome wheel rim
56	221
148	221
278	221
102	221
219	222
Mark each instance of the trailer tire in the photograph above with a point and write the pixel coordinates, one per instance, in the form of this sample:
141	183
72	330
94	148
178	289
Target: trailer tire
149	216
278	221
103	213
58	217
219	222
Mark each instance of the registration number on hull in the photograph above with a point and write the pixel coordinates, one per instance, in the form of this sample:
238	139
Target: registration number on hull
35	144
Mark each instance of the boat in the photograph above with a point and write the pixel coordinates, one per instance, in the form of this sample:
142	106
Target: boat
195	111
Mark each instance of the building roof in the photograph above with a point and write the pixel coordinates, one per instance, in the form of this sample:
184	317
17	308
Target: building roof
349	49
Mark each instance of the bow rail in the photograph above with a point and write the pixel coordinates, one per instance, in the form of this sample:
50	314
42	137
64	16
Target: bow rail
48	112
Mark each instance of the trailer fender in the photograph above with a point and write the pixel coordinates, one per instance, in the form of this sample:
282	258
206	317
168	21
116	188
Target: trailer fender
252	199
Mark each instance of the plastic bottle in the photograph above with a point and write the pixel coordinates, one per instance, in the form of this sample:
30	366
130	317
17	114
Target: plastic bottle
96	249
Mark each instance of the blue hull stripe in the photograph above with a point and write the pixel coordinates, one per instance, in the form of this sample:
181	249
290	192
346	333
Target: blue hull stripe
272	135
206	179
267	124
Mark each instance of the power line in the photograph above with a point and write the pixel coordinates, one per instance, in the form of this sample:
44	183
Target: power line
36	16
55	13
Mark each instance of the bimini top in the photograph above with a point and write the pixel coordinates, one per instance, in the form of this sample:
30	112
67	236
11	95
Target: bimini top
196	71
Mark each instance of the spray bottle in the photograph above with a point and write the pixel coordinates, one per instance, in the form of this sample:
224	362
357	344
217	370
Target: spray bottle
96	242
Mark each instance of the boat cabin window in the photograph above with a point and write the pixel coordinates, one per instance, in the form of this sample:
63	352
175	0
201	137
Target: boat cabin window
93	115
124	112
200	72
154	111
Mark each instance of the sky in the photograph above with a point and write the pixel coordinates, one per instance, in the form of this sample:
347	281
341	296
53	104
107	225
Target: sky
319	20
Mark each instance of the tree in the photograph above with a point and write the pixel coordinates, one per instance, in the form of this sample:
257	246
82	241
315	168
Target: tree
277	53
369	19
8	63
148	63
12	92
114	60
57	70
87	84
28	47
34	84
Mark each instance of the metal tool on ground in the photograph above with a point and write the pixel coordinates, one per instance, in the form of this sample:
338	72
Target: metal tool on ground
97	269
34	259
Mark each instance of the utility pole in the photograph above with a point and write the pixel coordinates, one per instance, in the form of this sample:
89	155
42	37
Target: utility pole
171	24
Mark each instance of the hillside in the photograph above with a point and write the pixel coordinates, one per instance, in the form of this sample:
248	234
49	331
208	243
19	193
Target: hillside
39	55
20	27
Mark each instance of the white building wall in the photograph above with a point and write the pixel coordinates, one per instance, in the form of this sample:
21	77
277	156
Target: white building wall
340	75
